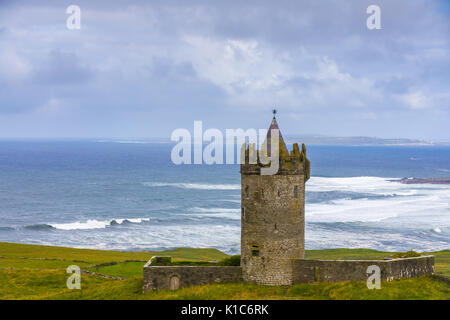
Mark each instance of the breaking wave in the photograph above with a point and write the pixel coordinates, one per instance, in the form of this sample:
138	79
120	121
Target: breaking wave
41	226
373	199
89	224
370	212
6	229
194	185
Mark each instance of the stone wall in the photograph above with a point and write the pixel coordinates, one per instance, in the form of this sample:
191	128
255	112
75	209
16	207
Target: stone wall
174	277
301	271
307	271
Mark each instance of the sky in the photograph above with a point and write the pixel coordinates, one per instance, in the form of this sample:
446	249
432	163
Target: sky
145	68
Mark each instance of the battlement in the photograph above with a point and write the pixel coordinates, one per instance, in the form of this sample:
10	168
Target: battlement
294	162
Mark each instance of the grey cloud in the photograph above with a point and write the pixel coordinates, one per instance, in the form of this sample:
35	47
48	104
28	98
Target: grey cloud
169	62
62	68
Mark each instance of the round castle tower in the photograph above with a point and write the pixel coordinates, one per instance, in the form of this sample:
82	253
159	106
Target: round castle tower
273	214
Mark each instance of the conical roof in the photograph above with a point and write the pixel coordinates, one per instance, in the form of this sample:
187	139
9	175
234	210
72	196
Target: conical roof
274	126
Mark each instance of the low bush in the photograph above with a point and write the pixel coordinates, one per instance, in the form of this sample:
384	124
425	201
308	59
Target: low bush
231	261
408	254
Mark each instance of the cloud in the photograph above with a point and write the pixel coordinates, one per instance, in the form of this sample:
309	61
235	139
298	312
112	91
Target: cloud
251	74
60	68
416	100
13	66
148	67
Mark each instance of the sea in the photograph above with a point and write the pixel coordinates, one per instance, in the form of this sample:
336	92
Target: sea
128	195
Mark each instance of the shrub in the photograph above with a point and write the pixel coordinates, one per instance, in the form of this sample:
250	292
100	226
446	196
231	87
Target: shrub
161	261
231	261
408	254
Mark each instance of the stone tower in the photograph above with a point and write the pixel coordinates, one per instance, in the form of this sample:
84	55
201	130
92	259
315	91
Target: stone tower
273	214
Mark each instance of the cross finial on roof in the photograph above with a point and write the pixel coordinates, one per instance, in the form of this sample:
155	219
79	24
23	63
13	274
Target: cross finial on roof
274	111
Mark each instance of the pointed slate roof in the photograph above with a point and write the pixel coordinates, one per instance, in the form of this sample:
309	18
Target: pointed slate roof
274	125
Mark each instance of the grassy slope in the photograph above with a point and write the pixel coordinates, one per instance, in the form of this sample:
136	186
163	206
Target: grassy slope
38	272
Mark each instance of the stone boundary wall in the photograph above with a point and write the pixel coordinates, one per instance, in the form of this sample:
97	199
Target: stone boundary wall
174	277
307	271
303	271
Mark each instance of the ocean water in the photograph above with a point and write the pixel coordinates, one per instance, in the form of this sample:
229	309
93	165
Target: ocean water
127	195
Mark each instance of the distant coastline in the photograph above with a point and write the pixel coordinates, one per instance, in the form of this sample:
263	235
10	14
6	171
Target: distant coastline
311	140
363	141
308	139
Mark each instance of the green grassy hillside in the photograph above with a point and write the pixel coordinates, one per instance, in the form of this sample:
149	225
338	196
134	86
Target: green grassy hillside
39	272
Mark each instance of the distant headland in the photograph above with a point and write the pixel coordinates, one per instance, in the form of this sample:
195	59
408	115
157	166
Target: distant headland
311	139
362	141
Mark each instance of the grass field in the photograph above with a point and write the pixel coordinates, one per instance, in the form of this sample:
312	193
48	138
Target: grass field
39	272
